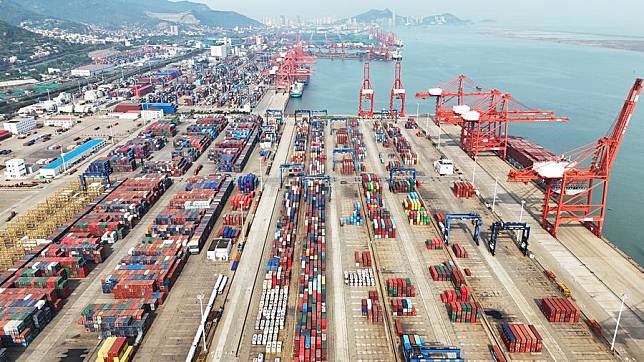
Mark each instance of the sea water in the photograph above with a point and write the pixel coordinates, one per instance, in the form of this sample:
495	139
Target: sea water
587	84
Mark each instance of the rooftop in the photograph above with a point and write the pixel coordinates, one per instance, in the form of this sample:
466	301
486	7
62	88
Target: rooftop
94	67
77	152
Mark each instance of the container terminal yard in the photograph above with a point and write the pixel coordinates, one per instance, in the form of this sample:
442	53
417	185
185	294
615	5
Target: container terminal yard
208	232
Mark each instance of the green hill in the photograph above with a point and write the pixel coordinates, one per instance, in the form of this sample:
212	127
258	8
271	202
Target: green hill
136	12
12	12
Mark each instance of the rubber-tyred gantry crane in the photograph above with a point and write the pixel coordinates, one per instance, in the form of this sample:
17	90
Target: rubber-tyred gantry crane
573	177
397	93
366	94
452	99
485	126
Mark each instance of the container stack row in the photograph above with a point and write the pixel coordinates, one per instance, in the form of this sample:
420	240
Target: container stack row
223	187
463	189
521	338
115	349
459	251
464	312
211	126
363	258
247	184
371	308
310	342
356	216
400	287
316	160
275	287
401	145
142	279
434	244
560	310
126	318
402	307
384	226
311	320
191	147
359	278
417	213
175	167
232	153
36	291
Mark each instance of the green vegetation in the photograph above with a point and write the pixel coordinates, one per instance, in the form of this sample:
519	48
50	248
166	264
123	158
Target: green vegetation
14	13
21	43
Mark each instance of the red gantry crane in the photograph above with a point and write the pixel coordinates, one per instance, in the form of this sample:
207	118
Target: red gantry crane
485	126
366	94
397	93
293	66
571	178
452	99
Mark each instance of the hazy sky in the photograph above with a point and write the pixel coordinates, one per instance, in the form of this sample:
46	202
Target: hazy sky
579	12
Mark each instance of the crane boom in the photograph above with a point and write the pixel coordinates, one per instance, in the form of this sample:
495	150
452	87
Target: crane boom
573	177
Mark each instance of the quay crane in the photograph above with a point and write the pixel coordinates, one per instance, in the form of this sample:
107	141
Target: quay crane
397	93
484	116
571	178
452	98
485	126
366	93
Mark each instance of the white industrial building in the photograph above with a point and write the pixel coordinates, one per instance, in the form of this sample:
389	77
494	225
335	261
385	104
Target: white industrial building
91	70
151	114
219	249
15	169
64	122
20	125
219	51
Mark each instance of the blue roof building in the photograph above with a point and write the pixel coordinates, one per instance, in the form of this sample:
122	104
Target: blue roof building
69	159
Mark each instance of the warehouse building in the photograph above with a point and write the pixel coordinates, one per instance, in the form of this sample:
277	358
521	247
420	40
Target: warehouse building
91	70
20	125
69	159
64	122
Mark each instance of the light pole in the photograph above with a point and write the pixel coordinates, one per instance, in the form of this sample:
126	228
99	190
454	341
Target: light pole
619	318
496	183
521	214
439	135
203	326
261	174
241	208
473	171
417	111
62	158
